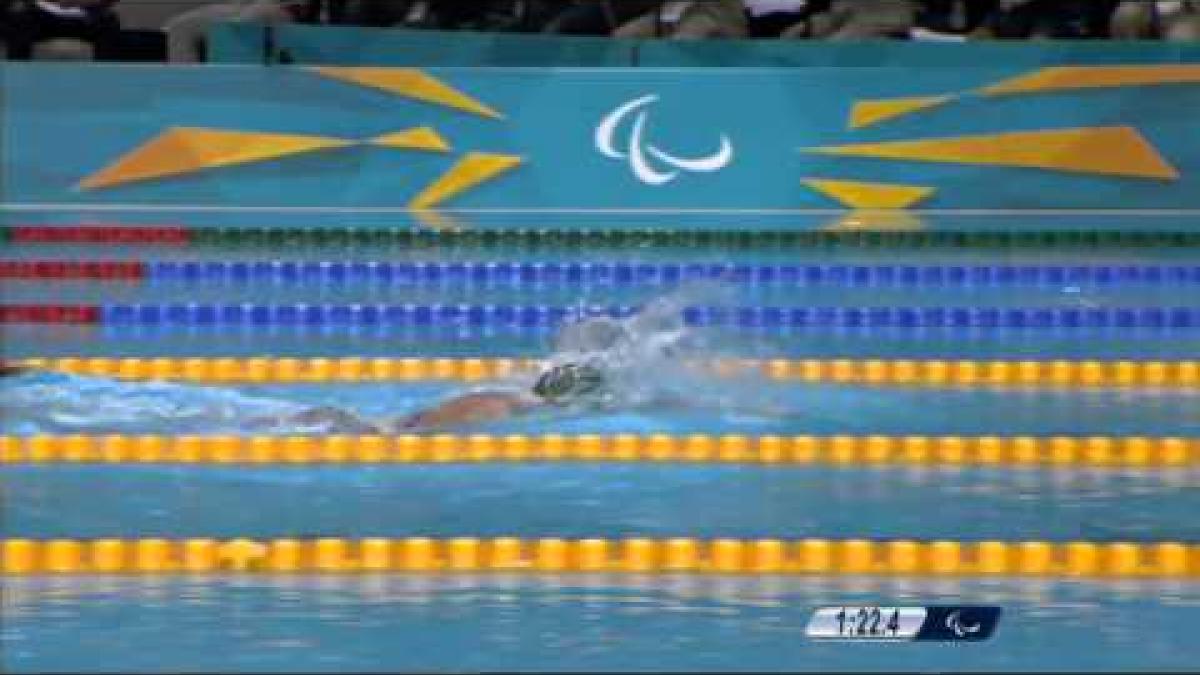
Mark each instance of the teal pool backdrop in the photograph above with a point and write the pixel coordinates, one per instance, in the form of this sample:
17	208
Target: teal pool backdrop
1017	137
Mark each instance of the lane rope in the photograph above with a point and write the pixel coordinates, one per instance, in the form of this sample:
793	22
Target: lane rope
526	318
475	274
939	558
798	450
53	270
1061	374
116	234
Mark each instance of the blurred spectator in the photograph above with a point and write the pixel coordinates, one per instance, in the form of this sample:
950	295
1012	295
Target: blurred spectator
953	17
596	17
1053	19
456	14
5	24
375	13
477	15
859	20
689	21
30	22
187	33
1170	19
769	18
536	15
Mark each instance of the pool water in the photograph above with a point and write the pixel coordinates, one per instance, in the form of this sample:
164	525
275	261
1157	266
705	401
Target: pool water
466	622
567	623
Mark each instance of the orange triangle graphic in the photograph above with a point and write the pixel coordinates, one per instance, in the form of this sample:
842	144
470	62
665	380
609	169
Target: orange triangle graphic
1114	151
866	113
419	138
1061	78
183	150
473	169
411	83
862	195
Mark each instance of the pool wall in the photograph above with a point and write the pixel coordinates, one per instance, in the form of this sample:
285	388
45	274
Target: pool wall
1059	138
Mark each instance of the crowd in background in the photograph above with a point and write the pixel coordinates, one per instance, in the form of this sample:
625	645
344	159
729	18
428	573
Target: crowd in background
175	29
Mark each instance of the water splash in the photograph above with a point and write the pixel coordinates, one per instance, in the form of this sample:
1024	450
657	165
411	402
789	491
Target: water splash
59	403
654	359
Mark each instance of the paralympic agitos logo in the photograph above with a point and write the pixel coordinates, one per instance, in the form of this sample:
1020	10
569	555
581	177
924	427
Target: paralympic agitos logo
648	162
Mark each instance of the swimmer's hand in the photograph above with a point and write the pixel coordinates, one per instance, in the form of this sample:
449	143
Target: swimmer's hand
472	408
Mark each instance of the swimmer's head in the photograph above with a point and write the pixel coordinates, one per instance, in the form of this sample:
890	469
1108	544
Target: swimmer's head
568	382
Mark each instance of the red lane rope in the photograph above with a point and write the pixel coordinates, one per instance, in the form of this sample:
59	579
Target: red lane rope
60	314
101	234
50	270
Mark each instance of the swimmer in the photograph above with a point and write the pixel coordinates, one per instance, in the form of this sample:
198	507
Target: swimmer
560	386
646	361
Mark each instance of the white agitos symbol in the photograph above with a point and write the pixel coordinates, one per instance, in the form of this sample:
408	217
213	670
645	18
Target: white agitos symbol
636	150
954	622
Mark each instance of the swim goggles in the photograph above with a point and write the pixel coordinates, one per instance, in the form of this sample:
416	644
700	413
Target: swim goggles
568	381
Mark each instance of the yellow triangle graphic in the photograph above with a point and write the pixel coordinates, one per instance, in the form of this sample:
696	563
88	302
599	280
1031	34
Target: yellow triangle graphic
419	138
1114	151
866	113
183	150
877	221
473	169
1061	78
411	83
861	195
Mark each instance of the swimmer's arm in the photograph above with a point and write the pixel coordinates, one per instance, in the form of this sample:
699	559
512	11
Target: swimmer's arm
473	408
12	370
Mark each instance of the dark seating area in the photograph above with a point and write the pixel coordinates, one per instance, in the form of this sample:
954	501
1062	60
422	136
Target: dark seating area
175	30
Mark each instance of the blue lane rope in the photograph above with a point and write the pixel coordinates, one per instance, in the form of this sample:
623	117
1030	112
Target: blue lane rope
499	273
542	316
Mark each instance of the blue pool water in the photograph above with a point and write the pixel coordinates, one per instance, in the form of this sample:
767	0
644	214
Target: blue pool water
576	501
495	622
572	623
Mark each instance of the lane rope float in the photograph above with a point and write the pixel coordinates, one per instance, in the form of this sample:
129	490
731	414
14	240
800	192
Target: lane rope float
525	318
943	558
579	274
835	450
1062	374
539	238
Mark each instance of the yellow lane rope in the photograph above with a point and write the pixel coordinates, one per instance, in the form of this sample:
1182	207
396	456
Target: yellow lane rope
937	373
1010	451
1173	560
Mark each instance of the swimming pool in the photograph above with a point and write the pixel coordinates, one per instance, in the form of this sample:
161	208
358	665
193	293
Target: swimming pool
1027	383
